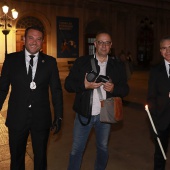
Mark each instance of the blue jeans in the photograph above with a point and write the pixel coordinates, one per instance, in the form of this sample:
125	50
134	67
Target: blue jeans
80	137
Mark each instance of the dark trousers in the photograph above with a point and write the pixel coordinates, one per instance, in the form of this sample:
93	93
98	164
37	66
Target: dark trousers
18	142
159	162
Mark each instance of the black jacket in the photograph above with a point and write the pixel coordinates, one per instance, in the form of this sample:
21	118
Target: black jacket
14	74
158	96
75	80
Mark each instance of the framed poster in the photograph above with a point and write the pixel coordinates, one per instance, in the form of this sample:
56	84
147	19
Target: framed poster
67	37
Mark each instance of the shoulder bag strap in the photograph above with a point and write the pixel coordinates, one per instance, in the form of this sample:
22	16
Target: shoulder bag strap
95	70
93	64
90	109
91	95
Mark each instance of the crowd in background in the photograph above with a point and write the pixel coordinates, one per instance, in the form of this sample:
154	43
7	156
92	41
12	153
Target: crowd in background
127	59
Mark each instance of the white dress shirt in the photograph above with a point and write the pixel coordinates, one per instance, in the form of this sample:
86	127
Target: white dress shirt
167	67
35	61
96	107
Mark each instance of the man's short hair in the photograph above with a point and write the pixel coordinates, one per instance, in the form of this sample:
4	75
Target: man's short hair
167	37
103	32
35	27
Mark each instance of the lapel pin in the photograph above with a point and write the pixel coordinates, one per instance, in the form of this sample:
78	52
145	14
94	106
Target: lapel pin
43	61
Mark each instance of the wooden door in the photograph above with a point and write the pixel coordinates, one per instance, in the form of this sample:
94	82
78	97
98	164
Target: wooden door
20	42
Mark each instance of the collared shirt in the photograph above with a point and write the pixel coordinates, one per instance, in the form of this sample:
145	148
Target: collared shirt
167	67
35	61
96	102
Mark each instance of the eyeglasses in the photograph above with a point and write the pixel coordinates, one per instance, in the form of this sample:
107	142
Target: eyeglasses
165	48
106	43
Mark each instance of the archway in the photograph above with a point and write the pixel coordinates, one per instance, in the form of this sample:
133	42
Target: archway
145	40
21	25
90	32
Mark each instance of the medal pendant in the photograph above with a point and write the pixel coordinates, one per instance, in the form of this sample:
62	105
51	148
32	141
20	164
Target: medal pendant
32	85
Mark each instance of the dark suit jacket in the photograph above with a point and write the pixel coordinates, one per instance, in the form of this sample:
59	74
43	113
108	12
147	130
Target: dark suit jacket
75	80
158	96
14	73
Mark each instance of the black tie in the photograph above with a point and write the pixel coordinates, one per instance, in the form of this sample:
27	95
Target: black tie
30	67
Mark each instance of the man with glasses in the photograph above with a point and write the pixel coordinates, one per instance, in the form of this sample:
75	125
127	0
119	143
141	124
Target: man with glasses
76	82
159	102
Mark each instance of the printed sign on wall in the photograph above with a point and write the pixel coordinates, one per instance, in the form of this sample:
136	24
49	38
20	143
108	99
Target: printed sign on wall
67	37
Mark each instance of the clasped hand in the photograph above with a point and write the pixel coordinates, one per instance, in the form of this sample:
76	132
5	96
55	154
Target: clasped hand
108	86
56	126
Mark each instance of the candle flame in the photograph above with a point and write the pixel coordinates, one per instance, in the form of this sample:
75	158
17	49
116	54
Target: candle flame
146	106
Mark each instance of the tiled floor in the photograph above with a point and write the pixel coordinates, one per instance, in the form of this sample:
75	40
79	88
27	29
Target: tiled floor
130	145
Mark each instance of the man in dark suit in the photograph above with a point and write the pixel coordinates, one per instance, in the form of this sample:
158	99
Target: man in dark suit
159	102
29	105
76	82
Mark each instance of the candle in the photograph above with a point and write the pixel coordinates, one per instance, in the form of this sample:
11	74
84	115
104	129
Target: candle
153	126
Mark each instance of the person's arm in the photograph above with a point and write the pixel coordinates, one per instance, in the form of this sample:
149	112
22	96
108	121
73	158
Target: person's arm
57	97
120	86
4	81
74	82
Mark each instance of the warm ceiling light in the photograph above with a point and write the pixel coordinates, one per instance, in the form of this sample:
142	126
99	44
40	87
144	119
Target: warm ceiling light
14	13
5	9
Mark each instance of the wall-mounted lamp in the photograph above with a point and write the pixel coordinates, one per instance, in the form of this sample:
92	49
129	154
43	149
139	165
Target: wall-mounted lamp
5	22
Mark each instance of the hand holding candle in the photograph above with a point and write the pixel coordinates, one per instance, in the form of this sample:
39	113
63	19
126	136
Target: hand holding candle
153	126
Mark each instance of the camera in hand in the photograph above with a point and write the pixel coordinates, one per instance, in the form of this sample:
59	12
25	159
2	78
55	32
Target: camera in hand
102	79
93	76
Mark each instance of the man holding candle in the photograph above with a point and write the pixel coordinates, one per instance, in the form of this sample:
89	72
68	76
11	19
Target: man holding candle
159	102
